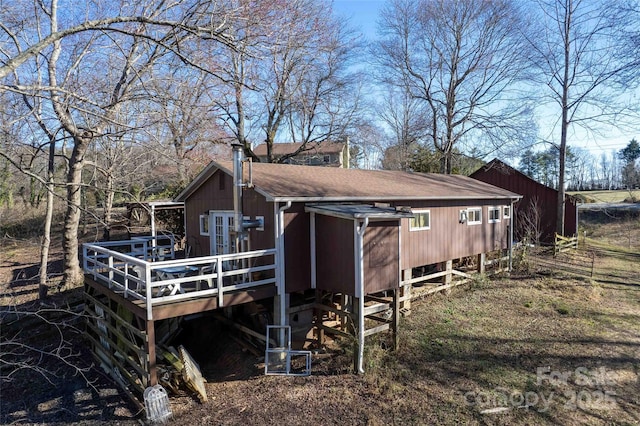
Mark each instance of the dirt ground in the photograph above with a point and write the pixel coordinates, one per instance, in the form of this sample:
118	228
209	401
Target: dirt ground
538	347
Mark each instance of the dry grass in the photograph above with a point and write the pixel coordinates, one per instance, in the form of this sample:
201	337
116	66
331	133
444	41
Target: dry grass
548	348
606	196
543	348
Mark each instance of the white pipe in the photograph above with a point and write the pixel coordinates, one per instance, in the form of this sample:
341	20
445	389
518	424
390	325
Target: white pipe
512	221
153	225
360	290
281	264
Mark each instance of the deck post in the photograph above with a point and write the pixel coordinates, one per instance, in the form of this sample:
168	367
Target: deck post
446	279
395	324
356	325
406	291
151	354
344	301
318	319
482	260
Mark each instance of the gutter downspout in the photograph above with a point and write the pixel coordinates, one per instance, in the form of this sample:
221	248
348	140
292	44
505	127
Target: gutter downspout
281	273
153	225
511	224
359	254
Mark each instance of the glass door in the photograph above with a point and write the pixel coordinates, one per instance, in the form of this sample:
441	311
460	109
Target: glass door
220	228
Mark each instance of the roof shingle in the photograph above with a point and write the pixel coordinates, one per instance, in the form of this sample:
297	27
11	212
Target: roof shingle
278	182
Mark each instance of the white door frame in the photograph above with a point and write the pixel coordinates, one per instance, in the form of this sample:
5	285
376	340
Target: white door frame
220	227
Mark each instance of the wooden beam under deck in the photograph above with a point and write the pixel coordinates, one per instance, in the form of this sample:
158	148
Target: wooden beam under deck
192	306
187	306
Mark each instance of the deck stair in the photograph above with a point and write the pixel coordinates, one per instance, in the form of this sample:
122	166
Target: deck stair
339	317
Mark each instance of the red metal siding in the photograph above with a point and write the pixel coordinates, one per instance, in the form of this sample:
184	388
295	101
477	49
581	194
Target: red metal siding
448	238
547	200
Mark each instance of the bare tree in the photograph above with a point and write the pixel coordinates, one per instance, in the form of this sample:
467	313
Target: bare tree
50	357
578	53
530	222
407	124
85	97
288	76
183	115
365	144
462	59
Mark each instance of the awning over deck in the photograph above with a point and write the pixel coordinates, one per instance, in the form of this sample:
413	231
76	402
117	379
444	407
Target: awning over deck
360	211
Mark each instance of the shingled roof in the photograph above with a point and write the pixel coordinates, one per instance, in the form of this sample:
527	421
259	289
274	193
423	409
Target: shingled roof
283	182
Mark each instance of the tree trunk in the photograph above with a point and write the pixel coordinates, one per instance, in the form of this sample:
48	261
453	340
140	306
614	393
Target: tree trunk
108	204
46	237
565	122
72	270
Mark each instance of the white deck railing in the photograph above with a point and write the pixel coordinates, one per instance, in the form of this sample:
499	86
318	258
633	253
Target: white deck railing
135	270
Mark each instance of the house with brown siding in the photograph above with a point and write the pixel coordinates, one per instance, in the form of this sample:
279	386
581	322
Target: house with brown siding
326	154
439	199
320	250
536	212
347	231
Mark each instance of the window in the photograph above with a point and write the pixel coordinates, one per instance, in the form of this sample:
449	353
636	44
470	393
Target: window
204	224
421	220
506	212
474	216
327	158
494	214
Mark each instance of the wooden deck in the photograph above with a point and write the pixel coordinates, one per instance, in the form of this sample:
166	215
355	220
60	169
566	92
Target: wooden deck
154	286
131	285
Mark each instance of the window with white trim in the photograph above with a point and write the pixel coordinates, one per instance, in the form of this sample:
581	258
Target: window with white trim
506	212
204	224
474	216
421	220
494	214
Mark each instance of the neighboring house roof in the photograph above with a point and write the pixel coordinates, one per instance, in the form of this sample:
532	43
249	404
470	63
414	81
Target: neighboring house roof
279	149
278	182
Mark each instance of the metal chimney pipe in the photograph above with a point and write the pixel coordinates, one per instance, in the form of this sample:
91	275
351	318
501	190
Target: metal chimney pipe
238	157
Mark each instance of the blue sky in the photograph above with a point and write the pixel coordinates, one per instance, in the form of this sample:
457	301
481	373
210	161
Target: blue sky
363	13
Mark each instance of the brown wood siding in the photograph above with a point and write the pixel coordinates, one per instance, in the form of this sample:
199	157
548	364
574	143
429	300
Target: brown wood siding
253	205
448	239
334	255
210	196
381	257
297	249
207	197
